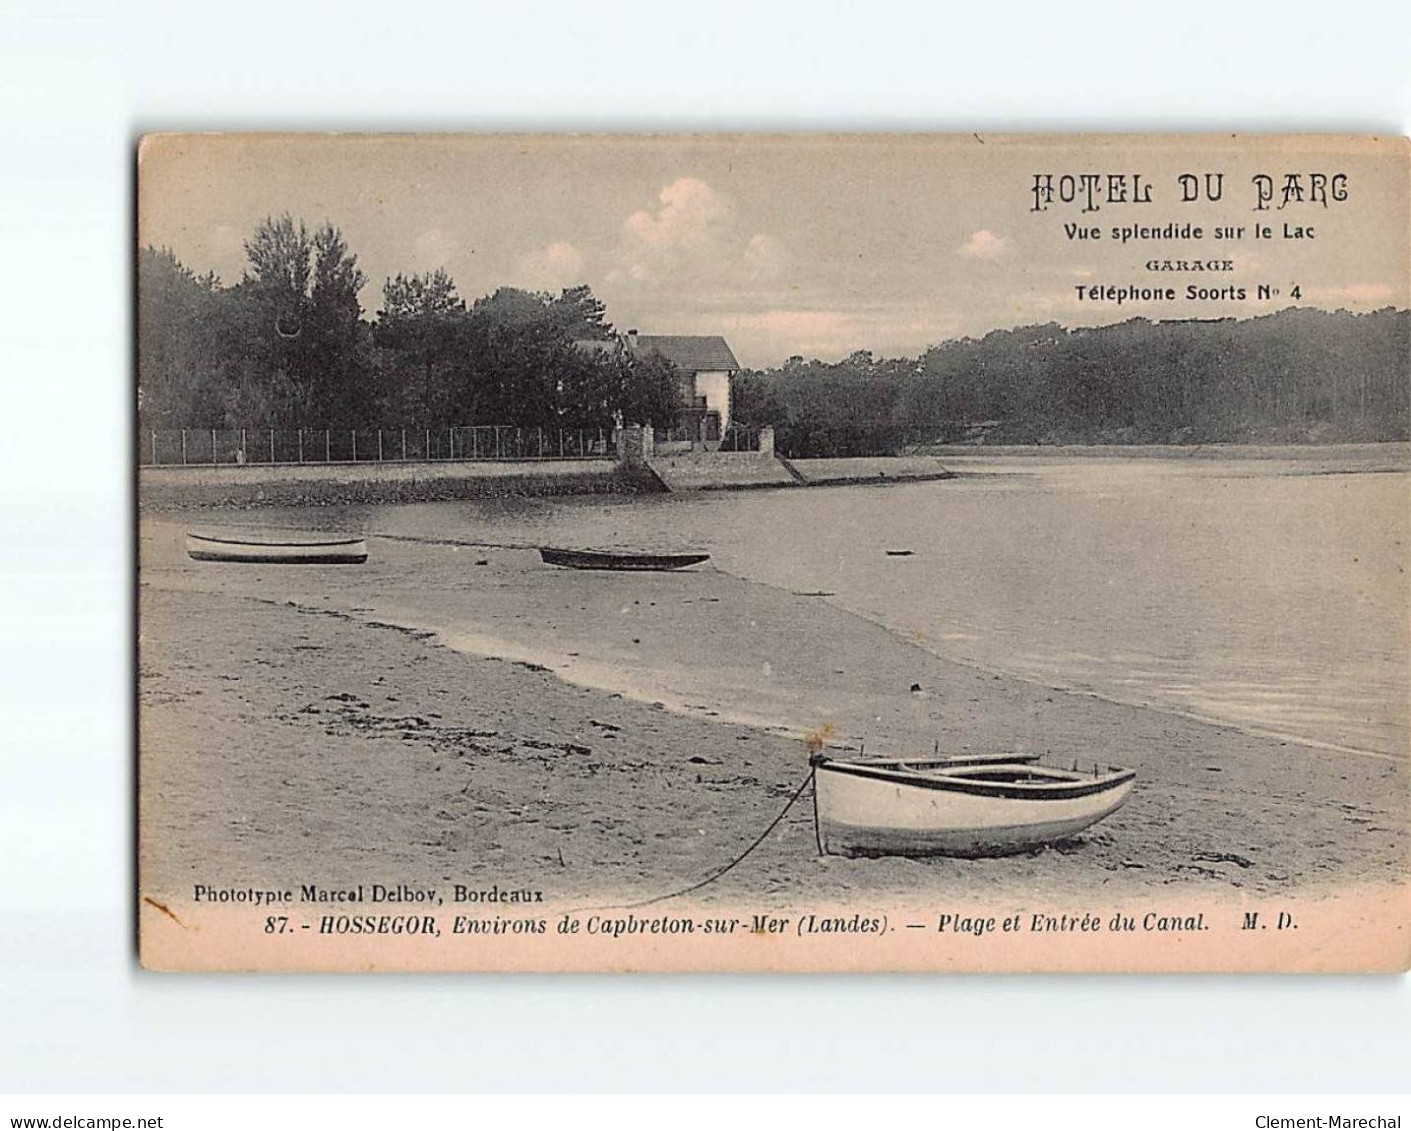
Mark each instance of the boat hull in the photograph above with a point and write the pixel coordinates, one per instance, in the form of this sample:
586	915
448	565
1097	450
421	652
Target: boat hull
605	559
343	551
954	811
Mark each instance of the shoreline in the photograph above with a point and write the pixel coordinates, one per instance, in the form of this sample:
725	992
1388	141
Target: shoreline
480	645
252	486
1390	454
169	488
355	709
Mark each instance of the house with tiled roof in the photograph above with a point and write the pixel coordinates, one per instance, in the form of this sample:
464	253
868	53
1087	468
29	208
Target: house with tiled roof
706	364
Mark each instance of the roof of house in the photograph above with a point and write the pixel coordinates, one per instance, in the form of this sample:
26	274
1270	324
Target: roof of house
691	353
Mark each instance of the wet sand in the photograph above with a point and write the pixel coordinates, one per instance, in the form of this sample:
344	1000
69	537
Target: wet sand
340	725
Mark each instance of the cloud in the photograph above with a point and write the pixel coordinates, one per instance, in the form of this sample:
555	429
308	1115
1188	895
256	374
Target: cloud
553	266
807	329
687	209
1244	260
764	256
1356	294
983	244
831	334
434	248
692	237
685	231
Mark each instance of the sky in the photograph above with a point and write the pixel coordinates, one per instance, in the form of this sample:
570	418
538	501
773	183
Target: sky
813	245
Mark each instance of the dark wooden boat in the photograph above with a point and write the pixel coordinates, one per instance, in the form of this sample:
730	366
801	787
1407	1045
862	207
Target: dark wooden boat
323	551
618	559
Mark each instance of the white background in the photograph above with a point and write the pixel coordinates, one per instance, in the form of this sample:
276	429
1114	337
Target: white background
79	82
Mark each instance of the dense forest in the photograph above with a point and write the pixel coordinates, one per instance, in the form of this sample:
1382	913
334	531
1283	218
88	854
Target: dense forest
290	346
1298	376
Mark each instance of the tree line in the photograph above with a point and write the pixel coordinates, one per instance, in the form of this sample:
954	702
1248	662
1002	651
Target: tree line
1301	375
289	346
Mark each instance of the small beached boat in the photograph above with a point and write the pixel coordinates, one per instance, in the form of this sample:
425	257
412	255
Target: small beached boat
618	559
971	805
322	551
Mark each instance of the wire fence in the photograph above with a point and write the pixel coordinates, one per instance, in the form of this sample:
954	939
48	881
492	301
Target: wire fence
209	446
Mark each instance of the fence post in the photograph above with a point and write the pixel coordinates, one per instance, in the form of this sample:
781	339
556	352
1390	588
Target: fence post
271	445
474	442
451	437
560	443
301	445
183	447
427	453
404	445
213	445
242	441
355	445
154	447
541	441
327	448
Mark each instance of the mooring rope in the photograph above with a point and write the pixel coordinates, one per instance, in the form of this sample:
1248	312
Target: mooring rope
803	785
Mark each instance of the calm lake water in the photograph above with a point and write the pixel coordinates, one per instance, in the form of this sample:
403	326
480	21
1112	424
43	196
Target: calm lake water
1244	591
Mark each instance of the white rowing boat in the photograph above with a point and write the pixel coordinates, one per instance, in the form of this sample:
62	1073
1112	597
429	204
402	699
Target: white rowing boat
309	551
976	805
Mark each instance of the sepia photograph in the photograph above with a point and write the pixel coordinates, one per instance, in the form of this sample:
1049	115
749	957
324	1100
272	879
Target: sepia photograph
650	565
776	552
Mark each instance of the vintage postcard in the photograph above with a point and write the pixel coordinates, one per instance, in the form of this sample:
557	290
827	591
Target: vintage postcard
773	553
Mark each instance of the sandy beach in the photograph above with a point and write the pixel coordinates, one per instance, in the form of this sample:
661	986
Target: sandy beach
493	721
